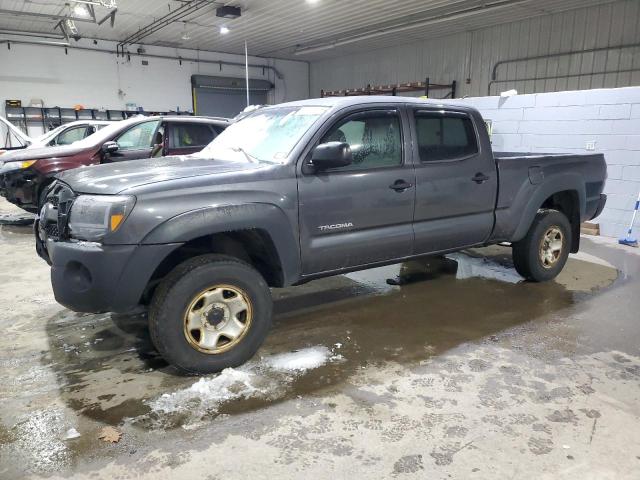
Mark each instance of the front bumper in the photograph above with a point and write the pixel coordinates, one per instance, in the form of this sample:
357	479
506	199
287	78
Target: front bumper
91	277
20	187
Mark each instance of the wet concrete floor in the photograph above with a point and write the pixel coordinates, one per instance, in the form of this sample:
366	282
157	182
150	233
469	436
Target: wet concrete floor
404	371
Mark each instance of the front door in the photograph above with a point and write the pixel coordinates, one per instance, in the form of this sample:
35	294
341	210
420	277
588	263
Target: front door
361	213
140	141
456	182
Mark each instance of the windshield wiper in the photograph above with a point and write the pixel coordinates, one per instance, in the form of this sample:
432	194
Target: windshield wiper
249	157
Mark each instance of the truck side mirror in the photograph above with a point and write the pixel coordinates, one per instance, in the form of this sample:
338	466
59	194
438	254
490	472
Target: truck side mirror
331	155
110	147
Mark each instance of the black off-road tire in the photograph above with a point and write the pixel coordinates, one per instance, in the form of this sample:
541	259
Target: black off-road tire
174	296
526	252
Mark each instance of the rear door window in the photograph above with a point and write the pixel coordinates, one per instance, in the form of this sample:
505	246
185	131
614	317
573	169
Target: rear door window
191	135
444	137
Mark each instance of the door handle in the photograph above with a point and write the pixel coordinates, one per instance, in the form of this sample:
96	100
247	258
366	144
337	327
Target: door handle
400	185
480	177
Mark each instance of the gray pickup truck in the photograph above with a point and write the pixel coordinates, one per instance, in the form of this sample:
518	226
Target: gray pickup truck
292	193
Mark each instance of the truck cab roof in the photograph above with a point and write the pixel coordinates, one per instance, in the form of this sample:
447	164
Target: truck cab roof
342	102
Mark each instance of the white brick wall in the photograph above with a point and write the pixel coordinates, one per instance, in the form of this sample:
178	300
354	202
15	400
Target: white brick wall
566	122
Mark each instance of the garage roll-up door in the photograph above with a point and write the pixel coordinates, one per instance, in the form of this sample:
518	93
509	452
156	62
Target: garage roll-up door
226	96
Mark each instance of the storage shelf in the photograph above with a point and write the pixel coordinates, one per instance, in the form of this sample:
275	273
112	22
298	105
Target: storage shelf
394	89
52	117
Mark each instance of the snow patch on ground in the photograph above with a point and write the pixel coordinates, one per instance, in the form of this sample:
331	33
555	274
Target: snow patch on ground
71	434
268	377
469	267
299	361
209	392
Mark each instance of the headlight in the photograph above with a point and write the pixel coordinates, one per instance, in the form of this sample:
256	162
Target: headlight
27	163
94	216
12	166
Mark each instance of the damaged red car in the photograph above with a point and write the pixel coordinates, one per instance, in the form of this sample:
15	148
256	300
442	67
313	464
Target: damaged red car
26	174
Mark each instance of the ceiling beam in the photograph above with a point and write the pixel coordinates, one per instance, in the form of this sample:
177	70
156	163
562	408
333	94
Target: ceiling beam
171	17
18	13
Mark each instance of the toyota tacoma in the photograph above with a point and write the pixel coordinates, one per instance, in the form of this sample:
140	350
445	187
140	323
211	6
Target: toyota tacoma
295	192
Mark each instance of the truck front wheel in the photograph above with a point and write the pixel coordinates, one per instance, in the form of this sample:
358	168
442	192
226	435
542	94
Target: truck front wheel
210	313
542	253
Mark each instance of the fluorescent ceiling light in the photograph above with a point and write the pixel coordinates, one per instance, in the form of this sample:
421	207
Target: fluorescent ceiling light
71	26
99	3
224	30
185	33
81	10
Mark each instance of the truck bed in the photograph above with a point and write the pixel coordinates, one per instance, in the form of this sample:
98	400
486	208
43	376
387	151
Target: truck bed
524	177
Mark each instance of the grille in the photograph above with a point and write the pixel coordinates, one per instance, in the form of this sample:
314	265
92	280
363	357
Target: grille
54	216
52	230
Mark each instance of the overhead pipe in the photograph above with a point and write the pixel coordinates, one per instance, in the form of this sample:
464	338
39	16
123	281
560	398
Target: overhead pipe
149	55
559	77
50	36
494	71
174	16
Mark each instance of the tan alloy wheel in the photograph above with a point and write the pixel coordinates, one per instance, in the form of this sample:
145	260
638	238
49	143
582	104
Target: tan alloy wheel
217	319
551	247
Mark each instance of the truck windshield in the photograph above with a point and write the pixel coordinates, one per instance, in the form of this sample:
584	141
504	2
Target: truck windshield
267	135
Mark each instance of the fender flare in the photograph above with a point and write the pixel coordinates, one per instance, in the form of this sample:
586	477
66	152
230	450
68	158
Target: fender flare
531	205
229	218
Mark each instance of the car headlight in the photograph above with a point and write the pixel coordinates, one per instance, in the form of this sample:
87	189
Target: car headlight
94	216
27	163
13	166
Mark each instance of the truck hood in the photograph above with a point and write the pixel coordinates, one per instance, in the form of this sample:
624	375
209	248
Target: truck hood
117	177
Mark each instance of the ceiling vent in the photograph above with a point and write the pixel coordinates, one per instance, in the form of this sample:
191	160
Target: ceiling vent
228	12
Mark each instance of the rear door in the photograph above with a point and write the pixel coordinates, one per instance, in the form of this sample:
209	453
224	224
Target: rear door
361	213
188	137
139	141
456	181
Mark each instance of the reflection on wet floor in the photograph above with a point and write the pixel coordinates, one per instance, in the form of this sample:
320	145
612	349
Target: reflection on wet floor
105	369
109	370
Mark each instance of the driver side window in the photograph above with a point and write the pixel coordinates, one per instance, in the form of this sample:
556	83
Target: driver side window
374	138
139	137
70	136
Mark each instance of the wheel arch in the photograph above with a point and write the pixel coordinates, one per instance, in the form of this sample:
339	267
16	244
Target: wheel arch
565	193
258	234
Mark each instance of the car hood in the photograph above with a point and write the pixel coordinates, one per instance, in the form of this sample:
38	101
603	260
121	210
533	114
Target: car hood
117	177
42	152
25	139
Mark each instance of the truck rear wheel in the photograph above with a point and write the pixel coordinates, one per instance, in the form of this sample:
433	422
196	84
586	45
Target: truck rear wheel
543	252
210	313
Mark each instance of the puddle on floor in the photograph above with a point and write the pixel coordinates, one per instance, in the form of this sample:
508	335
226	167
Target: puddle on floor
110	372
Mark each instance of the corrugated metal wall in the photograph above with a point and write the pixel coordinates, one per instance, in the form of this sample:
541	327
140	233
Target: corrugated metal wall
473	55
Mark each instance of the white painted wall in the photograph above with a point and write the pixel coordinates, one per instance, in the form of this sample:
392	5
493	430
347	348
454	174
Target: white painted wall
103	81
473	54
566	122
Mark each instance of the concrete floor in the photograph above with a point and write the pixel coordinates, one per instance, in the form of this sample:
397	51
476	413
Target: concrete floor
436	377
